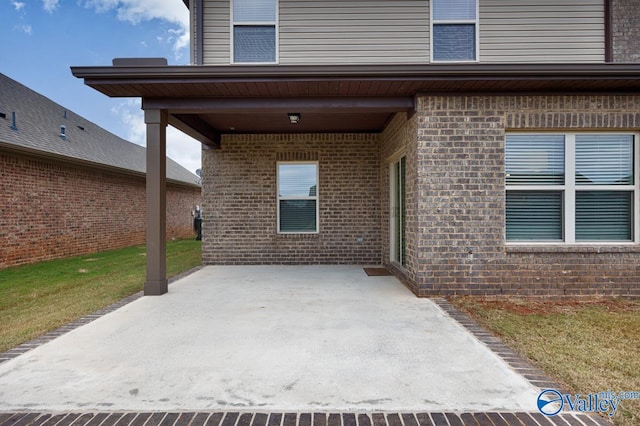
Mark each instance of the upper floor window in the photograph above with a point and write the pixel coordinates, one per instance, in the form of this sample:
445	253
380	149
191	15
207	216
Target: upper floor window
254	31
572	187
454	30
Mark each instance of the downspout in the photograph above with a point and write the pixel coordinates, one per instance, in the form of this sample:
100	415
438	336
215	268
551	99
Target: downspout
198	48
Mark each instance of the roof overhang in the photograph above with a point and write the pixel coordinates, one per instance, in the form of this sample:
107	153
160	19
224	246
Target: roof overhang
207	101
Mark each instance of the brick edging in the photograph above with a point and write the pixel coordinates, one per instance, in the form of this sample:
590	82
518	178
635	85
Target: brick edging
517	362
295	419
47	337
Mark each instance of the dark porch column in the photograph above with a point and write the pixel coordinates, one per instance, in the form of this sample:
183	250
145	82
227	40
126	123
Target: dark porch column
156	121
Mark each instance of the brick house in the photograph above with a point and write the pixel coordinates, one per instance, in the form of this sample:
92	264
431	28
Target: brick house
69	187
472	147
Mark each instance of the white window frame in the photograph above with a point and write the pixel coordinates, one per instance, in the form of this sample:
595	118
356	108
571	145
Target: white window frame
570	188
476	22
316	197
275	24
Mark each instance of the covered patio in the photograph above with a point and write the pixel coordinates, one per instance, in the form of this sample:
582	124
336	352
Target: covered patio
218	103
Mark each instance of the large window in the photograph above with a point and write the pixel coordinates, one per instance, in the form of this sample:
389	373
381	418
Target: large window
571	187
454	30
297	197
254	31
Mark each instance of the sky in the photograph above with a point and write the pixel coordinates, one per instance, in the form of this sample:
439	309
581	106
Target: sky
42	39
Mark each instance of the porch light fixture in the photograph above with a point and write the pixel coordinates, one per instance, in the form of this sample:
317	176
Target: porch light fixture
294	117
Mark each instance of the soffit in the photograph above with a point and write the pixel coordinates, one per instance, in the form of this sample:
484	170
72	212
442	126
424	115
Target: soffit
172	88
356	80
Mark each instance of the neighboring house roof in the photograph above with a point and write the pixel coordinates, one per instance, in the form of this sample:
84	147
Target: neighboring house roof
37	131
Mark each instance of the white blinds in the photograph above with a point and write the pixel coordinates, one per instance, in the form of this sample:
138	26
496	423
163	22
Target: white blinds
604	215
254	11
534	216
454	10
604	159
534	159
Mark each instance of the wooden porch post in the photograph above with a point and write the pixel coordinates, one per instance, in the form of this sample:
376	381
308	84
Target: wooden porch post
156	121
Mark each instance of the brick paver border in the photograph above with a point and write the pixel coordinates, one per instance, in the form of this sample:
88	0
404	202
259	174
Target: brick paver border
295	419
520	364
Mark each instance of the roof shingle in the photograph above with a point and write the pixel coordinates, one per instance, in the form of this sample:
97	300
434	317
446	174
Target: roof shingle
38	128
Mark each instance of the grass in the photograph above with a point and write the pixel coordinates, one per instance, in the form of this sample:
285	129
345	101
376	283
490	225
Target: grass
38	298
588	347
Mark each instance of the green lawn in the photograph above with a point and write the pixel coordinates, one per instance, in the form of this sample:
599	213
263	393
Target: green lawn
588	346
35	299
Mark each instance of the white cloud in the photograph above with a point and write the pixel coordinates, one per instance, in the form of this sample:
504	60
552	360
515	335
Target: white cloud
25	28
136	11
181	148
50	5
184	149
130	114
18	5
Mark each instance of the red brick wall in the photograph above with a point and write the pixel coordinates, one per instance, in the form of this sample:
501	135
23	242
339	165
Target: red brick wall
50	210
461	227
240	210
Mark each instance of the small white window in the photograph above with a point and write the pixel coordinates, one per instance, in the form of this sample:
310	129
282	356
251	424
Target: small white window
254	31
454	30
298	197
573	188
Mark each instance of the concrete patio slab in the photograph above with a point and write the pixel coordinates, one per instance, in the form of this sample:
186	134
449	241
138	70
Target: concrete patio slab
270	338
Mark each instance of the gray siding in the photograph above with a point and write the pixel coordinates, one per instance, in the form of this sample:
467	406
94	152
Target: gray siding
337	31
216	19
333	31
542	31
383	31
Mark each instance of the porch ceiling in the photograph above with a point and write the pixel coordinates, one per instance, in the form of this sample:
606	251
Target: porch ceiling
311	122
207	101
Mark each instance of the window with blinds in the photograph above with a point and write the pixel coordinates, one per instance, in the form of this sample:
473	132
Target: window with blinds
571	187
297	197
454	30
535	160
604	187
254	35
